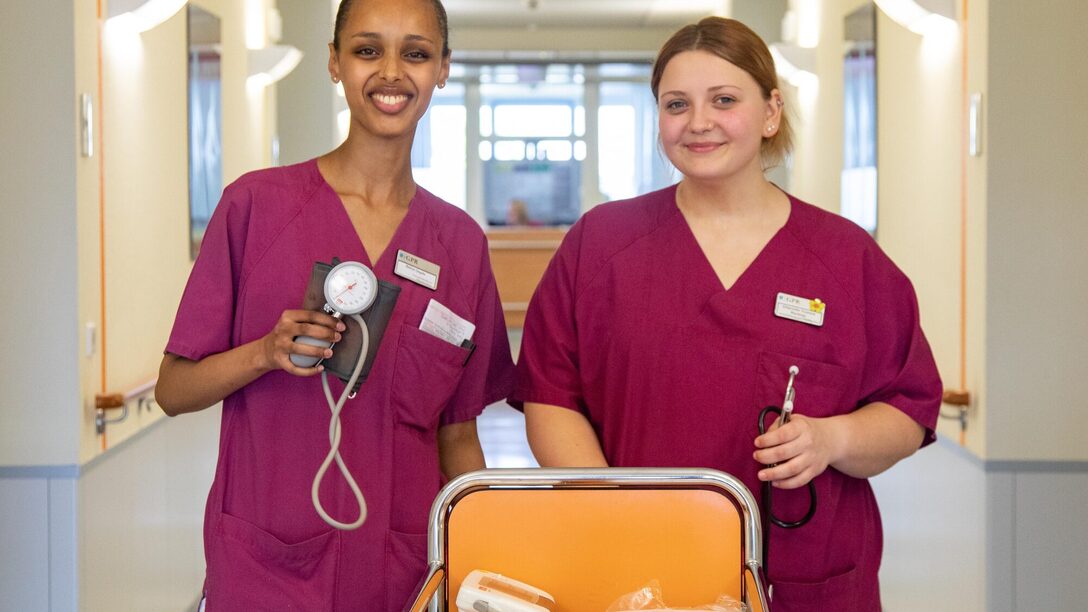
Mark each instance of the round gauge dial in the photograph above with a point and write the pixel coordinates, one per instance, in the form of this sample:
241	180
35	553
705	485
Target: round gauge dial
350	288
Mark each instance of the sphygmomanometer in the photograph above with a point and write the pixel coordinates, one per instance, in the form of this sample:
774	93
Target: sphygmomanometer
351	292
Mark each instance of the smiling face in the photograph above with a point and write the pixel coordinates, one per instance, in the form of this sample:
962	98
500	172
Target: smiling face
390	58
713	117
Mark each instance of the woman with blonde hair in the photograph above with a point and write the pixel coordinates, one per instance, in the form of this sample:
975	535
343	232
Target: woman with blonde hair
665	325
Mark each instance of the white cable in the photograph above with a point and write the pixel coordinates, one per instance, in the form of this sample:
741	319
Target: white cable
334	438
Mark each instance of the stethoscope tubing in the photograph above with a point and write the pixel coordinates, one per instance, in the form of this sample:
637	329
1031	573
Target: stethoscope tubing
768	513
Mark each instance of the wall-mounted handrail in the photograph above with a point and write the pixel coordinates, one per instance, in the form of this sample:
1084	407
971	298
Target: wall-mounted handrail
143	395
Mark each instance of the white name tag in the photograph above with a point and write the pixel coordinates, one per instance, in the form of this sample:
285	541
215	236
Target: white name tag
416	269
800	309
441	322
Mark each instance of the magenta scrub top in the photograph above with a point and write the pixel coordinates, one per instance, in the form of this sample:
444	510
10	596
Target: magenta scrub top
266	547
631	327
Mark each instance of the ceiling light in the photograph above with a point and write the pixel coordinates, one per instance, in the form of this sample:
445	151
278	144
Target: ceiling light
920	16
142	15
268	65
794	63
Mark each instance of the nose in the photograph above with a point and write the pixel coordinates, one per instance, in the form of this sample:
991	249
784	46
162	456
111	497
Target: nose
701	122
390	70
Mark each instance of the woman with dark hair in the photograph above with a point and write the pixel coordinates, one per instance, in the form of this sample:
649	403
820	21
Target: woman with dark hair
412	423
665	324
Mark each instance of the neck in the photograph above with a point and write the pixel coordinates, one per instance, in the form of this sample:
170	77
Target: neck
735	197
377	170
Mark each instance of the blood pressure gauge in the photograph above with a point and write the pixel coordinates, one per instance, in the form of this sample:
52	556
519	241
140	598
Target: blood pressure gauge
350	288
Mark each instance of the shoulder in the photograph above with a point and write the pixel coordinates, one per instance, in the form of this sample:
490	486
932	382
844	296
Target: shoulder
846	251
268	199
454	227
459	239
610	228
278	186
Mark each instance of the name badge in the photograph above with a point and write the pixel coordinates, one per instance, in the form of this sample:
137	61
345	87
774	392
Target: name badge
802	310
416	269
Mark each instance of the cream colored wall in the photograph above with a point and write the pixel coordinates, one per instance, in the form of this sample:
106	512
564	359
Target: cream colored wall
38	249
816	111
146	217
919	128
1037	219
918	131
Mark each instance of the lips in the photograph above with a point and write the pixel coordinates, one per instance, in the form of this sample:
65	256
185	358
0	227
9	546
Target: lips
702	147
390	103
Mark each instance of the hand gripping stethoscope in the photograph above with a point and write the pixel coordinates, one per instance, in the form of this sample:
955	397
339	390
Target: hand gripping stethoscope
768	514
350	288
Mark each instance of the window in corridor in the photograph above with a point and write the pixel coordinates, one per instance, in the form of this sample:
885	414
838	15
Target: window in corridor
537	144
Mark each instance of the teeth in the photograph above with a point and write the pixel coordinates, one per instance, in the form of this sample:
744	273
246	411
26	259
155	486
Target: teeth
390	100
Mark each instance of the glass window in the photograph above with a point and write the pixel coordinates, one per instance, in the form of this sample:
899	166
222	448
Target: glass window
630	162
438	152
534	120
528	153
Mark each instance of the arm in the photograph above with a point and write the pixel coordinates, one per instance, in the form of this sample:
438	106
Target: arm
861	444
185	385
459	449
562	438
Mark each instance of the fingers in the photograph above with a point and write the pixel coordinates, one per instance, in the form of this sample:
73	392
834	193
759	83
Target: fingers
305	333
792	453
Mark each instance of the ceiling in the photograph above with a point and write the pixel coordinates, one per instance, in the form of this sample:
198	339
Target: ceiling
580	13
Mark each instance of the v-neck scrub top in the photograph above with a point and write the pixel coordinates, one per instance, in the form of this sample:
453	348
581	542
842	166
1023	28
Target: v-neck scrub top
266	546
632	327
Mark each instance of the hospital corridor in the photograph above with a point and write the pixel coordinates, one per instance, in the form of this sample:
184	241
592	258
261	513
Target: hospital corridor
265	262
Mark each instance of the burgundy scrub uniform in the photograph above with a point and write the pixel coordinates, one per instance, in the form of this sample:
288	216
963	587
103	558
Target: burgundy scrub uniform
266	547
632	327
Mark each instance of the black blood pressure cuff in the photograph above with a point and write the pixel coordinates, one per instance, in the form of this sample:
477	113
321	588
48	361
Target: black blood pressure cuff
346	352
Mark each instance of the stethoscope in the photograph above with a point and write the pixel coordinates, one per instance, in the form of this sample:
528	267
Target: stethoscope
768	514
350	288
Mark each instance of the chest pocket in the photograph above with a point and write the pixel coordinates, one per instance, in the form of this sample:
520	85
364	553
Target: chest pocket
425	376
822	389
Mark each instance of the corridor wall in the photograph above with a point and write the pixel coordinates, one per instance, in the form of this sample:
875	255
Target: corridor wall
94	256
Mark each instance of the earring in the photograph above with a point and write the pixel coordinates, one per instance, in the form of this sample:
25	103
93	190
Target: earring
442	84
335	80
770	128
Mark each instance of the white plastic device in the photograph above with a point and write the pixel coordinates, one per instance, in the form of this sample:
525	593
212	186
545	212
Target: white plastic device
484	591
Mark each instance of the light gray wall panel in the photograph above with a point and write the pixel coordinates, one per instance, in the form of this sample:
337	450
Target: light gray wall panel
63	546
24	552
141	517
1051	541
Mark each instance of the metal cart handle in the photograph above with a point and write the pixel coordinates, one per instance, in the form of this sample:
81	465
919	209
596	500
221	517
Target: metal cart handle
427	587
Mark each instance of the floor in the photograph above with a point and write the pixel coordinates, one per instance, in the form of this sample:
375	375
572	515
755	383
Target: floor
502	428
502	435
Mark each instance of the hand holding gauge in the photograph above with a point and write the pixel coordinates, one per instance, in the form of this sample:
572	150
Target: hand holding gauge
350	288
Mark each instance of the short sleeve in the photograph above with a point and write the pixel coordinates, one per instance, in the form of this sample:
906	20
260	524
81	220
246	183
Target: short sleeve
547	370
899	366
204	322
489	374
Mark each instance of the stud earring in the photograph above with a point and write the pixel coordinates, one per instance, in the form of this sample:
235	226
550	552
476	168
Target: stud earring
335	80
770	128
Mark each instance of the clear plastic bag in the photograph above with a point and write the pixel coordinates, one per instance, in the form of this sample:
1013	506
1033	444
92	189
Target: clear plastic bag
649	598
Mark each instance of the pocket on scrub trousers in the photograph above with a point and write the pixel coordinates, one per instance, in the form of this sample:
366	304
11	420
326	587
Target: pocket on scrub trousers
255	570
406	562
425	376
835	594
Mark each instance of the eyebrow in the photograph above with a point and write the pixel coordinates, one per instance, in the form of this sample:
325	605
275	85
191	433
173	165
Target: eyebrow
715	88
408	37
